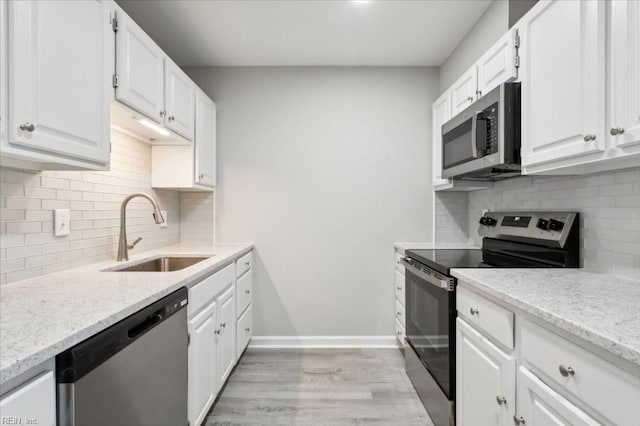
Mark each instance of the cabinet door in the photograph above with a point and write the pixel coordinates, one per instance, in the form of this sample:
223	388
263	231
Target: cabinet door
31	403
140	70
59	67
227	336
562	75
463	91
205	140
498	64
540	405
202	356
485	380
624	86
244	330
441	113
180	95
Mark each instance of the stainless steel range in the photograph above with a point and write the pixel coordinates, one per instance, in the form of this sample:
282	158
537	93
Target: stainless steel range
514	239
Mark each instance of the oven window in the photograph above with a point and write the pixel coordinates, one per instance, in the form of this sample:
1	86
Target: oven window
457	145
430	328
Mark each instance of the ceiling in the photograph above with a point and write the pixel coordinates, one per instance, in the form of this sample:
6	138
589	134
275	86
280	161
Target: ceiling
306	33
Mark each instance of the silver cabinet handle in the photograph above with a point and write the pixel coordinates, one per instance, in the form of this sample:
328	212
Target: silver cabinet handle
519	420
589	137
473	311
223	325
398	313
163	113
27	127
399	288
201	176
171	118
248	329
470	98
615	131
479	94
247	291
500	399
566	371
247	263
217	331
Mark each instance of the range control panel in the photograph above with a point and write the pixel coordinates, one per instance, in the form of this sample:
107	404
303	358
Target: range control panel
549	226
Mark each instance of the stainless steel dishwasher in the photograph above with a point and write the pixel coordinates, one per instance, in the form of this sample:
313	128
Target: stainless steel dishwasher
133	373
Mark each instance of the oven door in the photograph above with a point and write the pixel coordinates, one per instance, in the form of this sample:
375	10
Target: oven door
431	325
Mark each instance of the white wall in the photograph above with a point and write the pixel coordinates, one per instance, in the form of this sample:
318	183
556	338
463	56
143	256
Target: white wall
323	168
493	23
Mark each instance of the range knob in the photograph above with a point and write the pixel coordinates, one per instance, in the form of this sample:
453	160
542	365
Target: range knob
555	225
488	221
542	224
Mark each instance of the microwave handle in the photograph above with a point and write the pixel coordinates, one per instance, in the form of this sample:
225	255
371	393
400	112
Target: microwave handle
478	144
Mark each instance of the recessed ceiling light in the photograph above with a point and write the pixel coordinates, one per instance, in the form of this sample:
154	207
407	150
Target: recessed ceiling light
153	126
360	2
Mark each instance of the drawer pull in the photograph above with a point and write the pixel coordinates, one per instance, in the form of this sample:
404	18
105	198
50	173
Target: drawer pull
399	288
247	291
473	311
248	329
519	420
398	313
247	263
500	399
223	325
217	331
566	371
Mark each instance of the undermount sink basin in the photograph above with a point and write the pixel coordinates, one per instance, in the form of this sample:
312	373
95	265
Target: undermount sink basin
163	264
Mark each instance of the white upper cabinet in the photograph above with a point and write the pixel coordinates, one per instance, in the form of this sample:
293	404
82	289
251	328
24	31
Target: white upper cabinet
463	91
179	95
624	81
498	64
441	113
205	140
3	74
59	66
139	69
562	72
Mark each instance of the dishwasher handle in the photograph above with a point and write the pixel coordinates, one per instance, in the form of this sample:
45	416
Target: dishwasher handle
145	325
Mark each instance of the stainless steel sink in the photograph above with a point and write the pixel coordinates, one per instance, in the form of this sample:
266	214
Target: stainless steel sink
162	264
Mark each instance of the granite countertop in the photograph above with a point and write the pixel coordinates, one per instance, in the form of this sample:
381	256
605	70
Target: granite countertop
602	309
43	316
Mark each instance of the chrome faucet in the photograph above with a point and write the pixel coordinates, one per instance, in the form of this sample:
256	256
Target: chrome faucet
123	246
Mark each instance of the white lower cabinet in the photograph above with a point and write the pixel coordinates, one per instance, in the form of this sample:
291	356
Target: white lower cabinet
538	404
33	402
400	300
558	382
485	380
244	302
226	335
202	374
244	330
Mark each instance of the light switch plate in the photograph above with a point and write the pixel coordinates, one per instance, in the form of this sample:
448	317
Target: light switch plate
166	219
61	222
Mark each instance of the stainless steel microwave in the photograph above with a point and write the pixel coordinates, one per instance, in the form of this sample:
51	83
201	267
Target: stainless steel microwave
483	141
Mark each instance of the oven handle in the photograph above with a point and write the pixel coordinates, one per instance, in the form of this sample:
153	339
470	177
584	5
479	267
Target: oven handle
443	283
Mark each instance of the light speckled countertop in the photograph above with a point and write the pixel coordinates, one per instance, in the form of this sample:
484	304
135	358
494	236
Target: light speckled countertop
43	316
602	309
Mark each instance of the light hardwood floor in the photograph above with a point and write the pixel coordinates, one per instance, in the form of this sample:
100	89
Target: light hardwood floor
319	387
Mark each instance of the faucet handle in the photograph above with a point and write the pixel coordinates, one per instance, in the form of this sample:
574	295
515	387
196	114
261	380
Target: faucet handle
130	246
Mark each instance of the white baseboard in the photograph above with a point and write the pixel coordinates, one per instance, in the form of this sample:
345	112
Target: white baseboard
323	342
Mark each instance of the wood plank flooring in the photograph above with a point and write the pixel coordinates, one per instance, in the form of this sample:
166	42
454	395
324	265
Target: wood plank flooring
319	387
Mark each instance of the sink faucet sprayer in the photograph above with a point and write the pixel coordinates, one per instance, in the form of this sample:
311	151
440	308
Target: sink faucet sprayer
123	246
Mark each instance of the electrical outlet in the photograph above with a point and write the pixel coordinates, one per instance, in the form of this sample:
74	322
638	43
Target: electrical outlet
61	222
166	219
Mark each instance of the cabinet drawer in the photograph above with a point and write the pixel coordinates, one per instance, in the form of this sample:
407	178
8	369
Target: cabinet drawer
489	317
599	384
244	330
206	289
400	333
400	313
399	264
244	264
35	399
244	292
400	288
